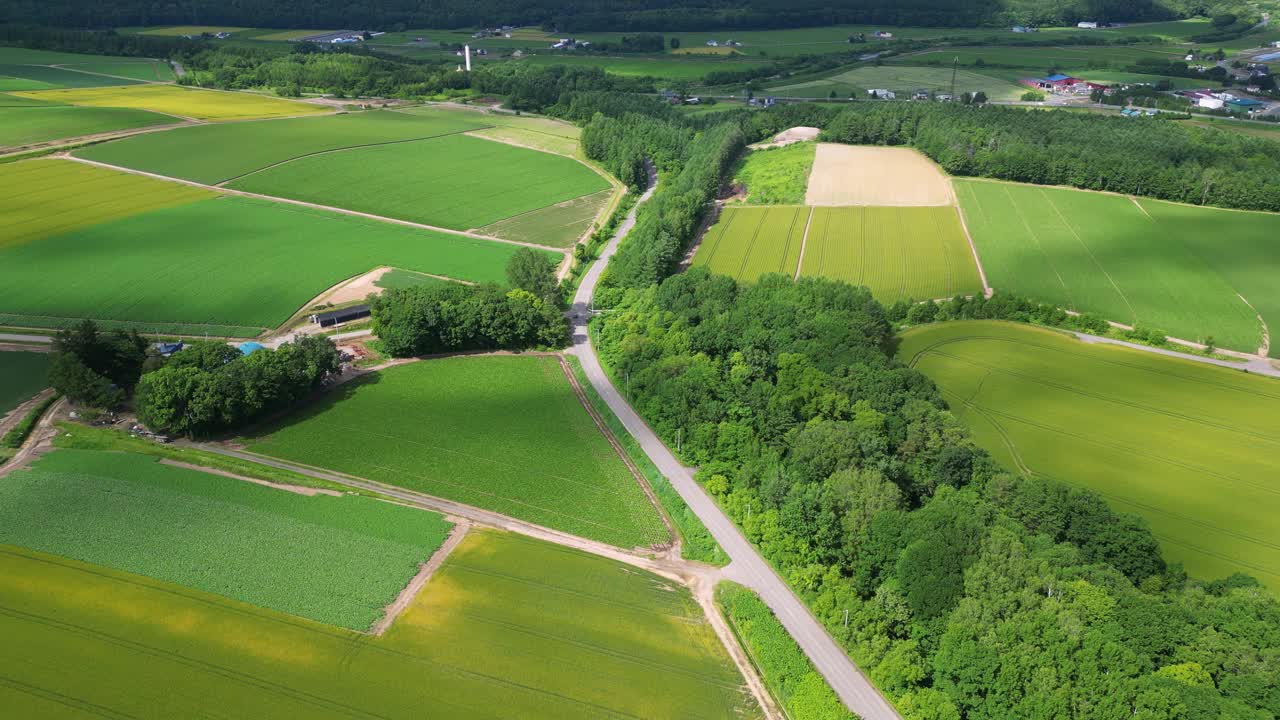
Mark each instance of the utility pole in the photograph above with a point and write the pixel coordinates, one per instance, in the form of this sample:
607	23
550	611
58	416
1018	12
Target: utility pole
679	434
846	618
955	65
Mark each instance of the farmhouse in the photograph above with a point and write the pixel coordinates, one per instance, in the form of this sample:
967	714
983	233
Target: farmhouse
882	94
920	95
338	317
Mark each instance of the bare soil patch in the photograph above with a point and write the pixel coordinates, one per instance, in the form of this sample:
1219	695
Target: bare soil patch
791	135
846	175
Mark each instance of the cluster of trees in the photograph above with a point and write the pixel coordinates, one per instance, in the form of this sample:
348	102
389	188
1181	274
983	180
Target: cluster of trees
210	387
1164	160
96	369
968	591
449	317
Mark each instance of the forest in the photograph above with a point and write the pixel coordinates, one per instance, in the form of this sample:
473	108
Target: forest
969	592
579	15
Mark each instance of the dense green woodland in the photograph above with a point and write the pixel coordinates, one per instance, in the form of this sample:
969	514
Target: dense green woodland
616	15
971	593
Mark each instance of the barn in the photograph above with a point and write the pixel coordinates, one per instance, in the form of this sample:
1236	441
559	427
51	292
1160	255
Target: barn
340	316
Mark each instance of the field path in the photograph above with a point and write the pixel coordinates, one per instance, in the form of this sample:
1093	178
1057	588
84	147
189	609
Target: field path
315	206
97	137
747	567
406	596
1256	365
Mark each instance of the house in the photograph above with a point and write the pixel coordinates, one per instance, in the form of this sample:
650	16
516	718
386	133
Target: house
882	94
713	43
944	97
882	35
770	101
481	51
1253	89
692	101
920	95
338	317
167	349
1056	83
1087	25
222	35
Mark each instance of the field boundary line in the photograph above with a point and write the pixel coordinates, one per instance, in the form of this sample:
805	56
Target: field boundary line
804	240
997	181
1089	250
1140	208
1264	349
94	138
314	206
1040	246
428	569
987	290
118	77
241	176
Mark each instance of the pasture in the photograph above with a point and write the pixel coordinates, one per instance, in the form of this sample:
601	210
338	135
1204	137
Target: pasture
149	70
1177	268
506	623
23	124
898	253
883	176
42	198
747	242
177	30
661	67
22	374
212	105
776	176
216	153
456	181
1037	59
558	225
217	265
502	433
335	559
902	80
1191	448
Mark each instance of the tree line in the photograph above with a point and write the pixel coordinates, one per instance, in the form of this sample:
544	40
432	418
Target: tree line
964	591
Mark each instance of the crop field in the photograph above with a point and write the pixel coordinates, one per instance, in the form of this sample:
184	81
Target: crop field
558	225
1180	269
776	176
865	175
183	102
181	268
176	30
455	181
502	433
22	124
747	242
898	253
1039	59
216	153
903	80
665	68
153	70
22	374
54	77
291	34
1191	448
557	634
43	198
261	545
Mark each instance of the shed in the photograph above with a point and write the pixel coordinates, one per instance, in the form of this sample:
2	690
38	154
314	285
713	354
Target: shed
340	316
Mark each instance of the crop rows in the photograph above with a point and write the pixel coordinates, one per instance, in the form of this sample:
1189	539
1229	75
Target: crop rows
748	242
337	560
1189	447
179	101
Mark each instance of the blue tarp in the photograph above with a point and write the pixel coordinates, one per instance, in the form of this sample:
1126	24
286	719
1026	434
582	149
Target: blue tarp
251	347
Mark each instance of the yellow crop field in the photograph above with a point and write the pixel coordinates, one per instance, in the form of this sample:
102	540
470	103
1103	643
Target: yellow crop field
181	102
887	176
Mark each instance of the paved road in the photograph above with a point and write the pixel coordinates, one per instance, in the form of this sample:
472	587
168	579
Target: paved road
747	566
1257	365
11	337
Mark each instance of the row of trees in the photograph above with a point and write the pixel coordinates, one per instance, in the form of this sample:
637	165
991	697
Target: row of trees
968	592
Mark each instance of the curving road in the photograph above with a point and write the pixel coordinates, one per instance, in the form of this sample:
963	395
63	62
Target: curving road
747	566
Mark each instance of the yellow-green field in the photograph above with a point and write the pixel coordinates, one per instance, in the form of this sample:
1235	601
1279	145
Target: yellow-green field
747	242
43	198
506	623
182	102
1194	449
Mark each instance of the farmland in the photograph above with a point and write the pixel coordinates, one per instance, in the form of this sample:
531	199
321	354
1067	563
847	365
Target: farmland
1189	447
665	68
215	153
903	80
38	122
237	539
183	267
46	77
555	468
898	253
776	176
506	623
22	374
747	242
43	198
863	175
456	181
181	102
1177	268
558	225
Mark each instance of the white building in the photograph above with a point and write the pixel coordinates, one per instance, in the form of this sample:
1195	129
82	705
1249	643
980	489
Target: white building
1087	25
1211	103
882	94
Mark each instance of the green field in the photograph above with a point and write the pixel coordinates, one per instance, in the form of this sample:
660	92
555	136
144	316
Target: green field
53	77
1039	59
672	67
456	181
506	623
558	225
25	124
22	374
177	30
747	242
337	560
1178	268
903	80
43	198
1191	448
183	102
502	433
776	176
219	262
213	154
153	70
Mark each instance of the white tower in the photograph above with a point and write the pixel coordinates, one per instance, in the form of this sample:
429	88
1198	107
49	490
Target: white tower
466	51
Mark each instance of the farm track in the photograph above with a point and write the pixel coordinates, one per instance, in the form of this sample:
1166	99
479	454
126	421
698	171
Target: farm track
314	206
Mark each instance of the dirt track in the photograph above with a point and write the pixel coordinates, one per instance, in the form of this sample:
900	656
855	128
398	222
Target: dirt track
845	175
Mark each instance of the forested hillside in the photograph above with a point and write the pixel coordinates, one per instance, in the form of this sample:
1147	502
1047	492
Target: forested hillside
594	14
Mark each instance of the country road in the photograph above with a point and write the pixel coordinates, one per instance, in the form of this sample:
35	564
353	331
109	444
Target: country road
747	566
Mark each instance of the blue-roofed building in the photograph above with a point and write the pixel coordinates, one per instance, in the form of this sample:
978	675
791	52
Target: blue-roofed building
251	347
